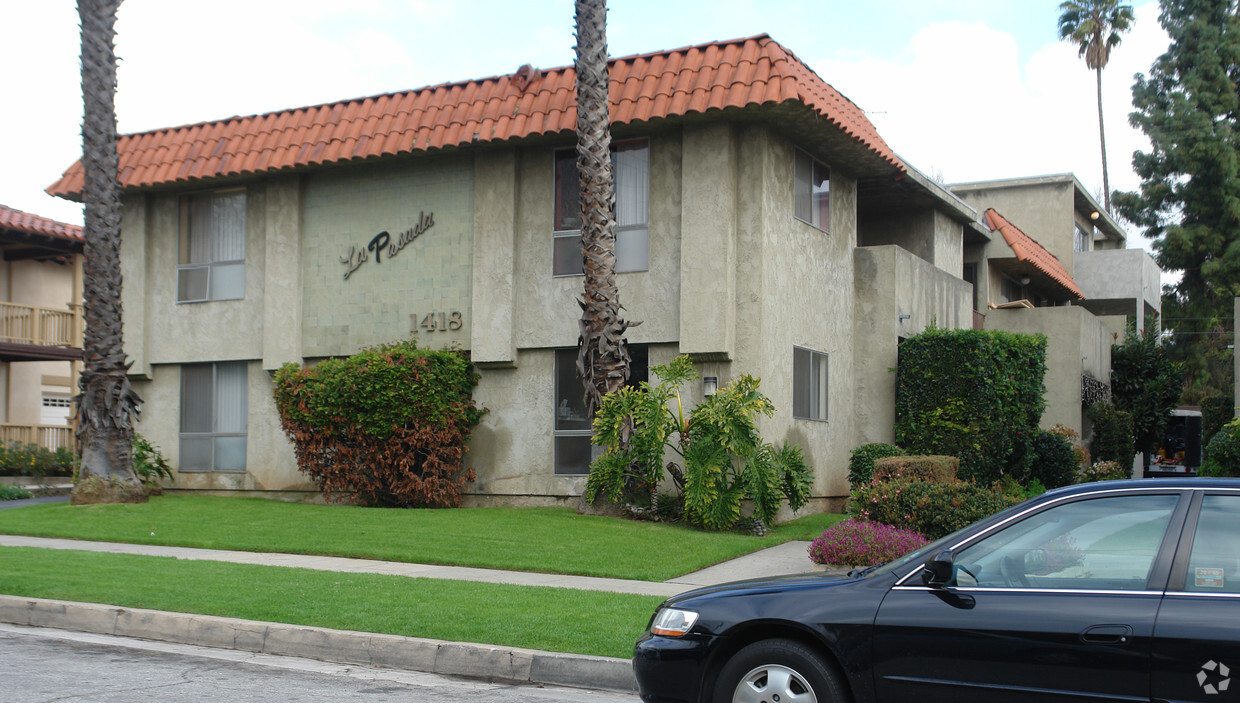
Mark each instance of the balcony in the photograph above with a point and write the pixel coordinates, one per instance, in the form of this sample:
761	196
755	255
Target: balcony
47	436
29	333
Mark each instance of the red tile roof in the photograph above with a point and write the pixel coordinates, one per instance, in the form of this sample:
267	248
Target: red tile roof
696	79
1028	250
18	221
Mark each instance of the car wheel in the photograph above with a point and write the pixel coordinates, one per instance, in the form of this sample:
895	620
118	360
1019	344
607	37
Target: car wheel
778	671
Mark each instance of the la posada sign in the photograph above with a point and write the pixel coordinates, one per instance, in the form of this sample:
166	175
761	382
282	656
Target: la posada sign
384	245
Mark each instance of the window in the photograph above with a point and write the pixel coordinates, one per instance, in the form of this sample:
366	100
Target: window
812	184
809	384
212	257
1010	290
1100	544
1083	239
214	407
1214	566
573	449
630	162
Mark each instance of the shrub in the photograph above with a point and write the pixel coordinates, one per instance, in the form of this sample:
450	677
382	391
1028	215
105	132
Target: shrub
861	461
149	464
933	509
966	393
725	459
1112	440
854	543
917	468
1074	438
8	492
1216	411
1223	452
1104	471
1053	463
1018	492
17	459
386	427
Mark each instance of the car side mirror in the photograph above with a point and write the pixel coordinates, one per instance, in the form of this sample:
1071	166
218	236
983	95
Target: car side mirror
937	571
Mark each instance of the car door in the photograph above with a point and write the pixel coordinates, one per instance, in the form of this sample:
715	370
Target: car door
1197	633
1055	604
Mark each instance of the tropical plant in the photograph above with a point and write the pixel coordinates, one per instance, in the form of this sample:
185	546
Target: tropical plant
150	465
1095	27
723	458
107	406
603	355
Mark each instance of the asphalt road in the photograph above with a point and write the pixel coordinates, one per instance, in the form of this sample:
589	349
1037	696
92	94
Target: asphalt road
43	665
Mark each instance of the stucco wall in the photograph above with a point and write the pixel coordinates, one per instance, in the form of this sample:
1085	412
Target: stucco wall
892	283
1076	343
1043	210
45	284
429	204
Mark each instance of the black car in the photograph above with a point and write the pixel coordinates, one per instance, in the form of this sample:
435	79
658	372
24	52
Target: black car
1117	591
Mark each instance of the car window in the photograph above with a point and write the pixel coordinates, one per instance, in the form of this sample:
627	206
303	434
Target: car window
1104	543
1215	559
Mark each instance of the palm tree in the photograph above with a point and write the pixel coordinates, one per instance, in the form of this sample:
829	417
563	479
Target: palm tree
107	406
603	355
1094	26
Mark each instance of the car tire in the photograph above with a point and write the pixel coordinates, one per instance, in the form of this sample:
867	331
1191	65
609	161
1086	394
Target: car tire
780	671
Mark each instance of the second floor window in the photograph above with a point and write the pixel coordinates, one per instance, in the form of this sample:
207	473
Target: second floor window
211	263
812	186
630	162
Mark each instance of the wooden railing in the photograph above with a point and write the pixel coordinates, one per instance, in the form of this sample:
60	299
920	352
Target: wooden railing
47	436
27	324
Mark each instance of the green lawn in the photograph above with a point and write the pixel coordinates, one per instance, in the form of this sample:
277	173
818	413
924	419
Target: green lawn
555	540
552	619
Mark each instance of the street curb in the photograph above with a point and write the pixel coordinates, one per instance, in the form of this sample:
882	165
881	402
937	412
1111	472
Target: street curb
491	662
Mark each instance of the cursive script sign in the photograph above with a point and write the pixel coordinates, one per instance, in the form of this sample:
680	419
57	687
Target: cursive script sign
382	244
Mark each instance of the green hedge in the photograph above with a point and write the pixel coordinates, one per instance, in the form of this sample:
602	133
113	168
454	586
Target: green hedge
933	509
1112	438
1222	455
387	426
968	394
861	461
942	469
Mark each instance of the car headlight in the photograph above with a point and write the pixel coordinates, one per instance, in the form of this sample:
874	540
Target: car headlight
670	622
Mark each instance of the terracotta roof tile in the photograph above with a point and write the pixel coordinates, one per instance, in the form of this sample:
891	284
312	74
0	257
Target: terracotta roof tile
729	74
24	222
1028	250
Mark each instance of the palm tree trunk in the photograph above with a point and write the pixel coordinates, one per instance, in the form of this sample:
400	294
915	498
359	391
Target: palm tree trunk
1102	138
107	406
603	356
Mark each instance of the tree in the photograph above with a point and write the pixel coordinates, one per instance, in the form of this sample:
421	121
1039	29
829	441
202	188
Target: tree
108	405
1188	203
1094	26
1145	383
603	355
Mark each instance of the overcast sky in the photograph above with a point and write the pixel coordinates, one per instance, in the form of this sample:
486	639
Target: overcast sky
963	90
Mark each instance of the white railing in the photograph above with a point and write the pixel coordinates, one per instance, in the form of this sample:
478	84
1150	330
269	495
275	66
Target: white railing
51	437
48	327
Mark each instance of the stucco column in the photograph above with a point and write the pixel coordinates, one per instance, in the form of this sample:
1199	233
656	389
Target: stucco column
282	284
134	255
708	242
492	325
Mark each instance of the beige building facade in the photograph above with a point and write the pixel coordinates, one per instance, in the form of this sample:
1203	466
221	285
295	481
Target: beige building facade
759	232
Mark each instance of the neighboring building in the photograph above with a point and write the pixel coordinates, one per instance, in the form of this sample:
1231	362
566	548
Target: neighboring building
40	327
764	228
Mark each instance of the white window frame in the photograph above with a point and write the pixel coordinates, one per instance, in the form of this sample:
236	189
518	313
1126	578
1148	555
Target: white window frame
214	433
808	205
630	234
1083	239
816	388
211	269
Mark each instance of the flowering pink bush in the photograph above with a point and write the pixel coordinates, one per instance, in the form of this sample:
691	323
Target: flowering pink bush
863	543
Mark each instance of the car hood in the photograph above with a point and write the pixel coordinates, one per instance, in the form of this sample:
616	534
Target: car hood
766	584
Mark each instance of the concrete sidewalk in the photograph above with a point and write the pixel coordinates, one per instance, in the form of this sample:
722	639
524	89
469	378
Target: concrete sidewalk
370	649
